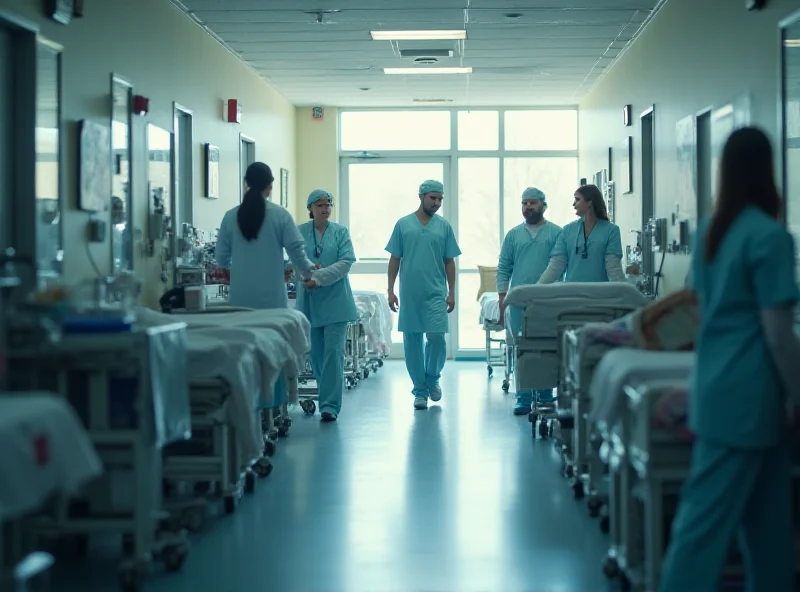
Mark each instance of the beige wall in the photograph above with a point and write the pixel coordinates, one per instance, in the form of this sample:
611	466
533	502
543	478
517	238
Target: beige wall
317	157
692	55
168	58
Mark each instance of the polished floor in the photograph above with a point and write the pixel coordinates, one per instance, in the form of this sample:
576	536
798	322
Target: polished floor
457	498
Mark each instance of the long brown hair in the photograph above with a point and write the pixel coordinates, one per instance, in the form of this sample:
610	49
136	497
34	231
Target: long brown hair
746	178
592	194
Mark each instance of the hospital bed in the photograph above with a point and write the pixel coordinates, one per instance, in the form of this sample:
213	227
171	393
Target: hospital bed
46	455
130	391
549	311
502	355
375	318
235	359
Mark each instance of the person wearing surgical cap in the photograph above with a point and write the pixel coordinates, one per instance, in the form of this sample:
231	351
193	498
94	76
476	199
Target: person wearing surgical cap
327	299
523	259
423	249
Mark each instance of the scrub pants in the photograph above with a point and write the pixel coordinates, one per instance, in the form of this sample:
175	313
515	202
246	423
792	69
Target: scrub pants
327	362
424	361
730	491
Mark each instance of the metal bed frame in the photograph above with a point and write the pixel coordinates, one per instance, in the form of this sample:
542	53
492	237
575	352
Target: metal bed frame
499	356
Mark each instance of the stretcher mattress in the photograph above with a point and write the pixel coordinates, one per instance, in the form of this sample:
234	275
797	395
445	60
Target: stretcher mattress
44	450
544	304
490	308
376	318
593	341
632	367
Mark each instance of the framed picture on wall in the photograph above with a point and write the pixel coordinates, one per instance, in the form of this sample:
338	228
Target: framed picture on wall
212	171
627	165
94	162
284	188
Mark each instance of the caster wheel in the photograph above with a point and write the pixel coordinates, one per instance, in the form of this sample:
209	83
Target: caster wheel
308	406
249	482
380	363
174	557
261	468
544	430
283	431
506	386
624	583
610	568
366	374
569	472
577	489
193	519
594	505
269	448
229	503
605	524
131	576
272	434
490	370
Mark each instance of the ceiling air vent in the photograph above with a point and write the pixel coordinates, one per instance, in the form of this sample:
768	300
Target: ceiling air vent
426	60
426	53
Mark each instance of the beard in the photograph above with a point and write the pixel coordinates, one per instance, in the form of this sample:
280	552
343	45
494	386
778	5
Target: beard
534	217
429	213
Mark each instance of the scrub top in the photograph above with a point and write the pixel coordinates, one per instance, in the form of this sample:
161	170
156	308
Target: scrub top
737	397
331	303
423	281
257	279
604	240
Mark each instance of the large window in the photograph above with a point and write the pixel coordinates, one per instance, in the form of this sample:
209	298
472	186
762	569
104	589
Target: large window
485	157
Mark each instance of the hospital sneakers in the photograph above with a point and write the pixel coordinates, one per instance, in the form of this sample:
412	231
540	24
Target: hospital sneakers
436	393
420	403
327	416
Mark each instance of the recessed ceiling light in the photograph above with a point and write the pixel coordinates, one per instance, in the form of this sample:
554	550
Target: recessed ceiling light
417	35
791	43
433	100
513	15
427	70
365	88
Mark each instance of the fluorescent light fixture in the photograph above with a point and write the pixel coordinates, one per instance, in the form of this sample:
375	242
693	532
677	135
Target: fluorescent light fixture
791	43
427	70
418	35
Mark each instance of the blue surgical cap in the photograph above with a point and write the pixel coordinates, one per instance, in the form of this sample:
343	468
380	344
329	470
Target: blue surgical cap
431	186
318	194
534	193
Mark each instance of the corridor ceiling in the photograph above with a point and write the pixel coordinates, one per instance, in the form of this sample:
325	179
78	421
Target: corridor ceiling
522	52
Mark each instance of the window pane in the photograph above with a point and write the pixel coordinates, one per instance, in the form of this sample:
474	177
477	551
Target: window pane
557	177
395	130
541	130
478	130
478	211
379	194
377	282
470	330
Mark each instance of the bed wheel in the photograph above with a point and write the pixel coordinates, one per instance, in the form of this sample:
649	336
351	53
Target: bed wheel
308	406
283	431
624	583
594	504
272	434
610	568
249	482
605	524
229	504
174	557
577	489
506	386
132	575
569	472
366	374
490	371
380	363
544	429
269	448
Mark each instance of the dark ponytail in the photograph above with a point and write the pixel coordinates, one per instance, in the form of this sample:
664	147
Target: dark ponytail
253	209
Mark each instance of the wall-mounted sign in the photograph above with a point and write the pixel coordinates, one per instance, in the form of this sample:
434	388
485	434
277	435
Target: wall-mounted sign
317	113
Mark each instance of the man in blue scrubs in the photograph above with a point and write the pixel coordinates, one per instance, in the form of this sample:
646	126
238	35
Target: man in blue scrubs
423	249
589	249
523	259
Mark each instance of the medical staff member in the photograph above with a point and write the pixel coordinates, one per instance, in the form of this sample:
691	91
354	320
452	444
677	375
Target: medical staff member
523	259
251	241
327	300
744	391
589	249
423	249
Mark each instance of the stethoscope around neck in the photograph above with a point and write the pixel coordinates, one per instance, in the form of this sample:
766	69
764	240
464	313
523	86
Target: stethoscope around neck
585	252
318	245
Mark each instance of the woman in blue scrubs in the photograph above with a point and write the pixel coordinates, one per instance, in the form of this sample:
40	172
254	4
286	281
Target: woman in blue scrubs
589	249
327	300
743	390
523	258
251	241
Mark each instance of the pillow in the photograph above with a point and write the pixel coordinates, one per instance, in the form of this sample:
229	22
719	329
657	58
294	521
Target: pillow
488	277
669	324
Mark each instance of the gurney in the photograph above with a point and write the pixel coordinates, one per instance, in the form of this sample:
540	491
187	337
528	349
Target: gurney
46	456
376	319
550	310
502	355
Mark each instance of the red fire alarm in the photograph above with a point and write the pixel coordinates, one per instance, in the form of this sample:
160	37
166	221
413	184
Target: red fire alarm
234	111
141	105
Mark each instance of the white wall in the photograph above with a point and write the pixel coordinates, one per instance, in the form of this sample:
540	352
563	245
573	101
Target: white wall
317	157
168	58
691	56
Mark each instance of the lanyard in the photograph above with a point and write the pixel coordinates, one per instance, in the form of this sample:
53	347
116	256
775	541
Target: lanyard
318	246
585	253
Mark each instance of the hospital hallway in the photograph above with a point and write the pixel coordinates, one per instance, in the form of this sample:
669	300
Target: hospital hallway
457	498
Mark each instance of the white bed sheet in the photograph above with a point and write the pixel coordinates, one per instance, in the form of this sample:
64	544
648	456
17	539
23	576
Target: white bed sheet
625	366
490	308
376	317
44	450
544	303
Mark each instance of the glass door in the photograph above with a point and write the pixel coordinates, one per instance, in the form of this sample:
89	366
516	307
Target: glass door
376	193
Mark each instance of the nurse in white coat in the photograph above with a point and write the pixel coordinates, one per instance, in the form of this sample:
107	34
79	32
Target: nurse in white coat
327	300
251	242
